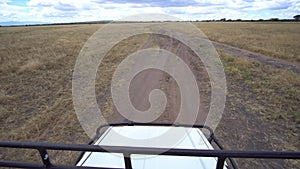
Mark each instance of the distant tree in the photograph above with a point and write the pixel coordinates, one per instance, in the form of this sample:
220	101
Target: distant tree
297	17
274	19
223	19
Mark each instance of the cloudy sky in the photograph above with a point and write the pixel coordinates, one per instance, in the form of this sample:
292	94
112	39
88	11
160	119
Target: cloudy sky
92	10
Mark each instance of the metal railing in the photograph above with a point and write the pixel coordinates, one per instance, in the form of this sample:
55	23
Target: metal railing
210	137
221	155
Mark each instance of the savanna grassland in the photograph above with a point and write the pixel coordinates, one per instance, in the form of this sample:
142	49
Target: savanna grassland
262	108
276	39
36	88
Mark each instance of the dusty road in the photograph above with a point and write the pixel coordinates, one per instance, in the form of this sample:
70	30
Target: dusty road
263	59
147	80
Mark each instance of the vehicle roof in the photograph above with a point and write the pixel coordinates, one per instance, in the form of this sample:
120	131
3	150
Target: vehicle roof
151	136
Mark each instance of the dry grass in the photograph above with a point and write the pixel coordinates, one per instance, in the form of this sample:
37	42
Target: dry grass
262	107
36	73
273	93
31	65
280	40
36	77
36	66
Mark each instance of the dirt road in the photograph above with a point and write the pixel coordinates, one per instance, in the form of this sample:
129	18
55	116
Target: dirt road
146	81
263	59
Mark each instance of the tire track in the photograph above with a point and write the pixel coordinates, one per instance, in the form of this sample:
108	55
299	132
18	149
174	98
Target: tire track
146	81
266	60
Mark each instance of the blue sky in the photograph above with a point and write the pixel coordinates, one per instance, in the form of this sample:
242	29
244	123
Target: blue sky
91	10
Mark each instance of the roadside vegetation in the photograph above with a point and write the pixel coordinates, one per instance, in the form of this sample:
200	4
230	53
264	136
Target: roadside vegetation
36	89
275	39
262	108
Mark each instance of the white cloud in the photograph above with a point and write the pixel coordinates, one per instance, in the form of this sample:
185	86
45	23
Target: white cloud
88	10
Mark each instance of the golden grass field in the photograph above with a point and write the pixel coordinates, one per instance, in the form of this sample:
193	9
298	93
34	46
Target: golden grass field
36	65
276	39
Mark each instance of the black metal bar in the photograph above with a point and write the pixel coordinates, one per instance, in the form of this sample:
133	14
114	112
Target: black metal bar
233	163
17	164
154	151
78	167
45	157
220	146
221	154
220	163
79	157
131	123
127	161
218	143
